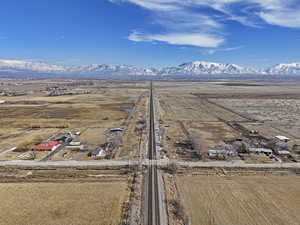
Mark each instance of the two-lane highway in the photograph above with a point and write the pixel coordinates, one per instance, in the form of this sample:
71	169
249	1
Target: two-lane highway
153	196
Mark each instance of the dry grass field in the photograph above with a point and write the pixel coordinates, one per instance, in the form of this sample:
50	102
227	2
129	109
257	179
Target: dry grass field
93	136
136	133
102	106
279	115
62	203
206	108
211	133
241	200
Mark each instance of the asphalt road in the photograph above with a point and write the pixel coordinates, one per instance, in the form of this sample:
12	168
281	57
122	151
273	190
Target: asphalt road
120	163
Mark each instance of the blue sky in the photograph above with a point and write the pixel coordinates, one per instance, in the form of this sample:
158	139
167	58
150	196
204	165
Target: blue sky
254	33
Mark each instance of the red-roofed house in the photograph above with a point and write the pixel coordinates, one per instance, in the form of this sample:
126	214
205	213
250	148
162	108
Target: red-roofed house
51	145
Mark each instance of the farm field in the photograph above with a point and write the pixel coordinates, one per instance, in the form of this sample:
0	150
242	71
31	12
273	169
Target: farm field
211	133
135	135
62	203
203	112
271	199
92	108
279	115
62	196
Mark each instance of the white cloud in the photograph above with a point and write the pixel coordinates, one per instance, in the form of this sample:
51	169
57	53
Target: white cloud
163	5
282	18
271	11
192	39
188	22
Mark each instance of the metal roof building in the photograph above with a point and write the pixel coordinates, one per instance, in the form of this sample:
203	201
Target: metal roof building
282	138
261	150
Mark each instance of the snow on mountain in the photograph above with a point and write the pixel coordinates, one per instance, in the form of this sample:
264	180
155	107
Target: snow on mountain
191	68
285	69
18	66
201	67
103	69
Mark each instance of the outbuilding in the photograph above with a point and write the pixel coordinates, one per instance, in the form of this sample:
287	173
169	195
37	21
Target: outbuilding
74	143
98	153
213	153
261	150
282	138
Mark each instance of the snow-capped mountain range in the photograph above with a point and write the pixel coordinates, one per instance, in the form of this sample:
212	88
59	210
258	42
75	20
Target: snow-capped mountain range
292	68
191	68
200	67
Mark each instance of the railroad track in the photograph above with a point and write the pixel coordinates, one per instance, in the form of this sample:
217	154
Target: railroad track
153	201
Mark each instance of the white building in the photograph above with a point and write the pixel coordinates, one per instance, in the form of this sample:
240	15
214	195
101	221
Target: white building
282	138
73	143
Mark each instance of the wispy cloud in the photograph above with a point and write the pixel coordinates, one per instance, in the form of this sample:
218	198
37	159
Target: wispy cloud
188	22
285	18
213	51
193	39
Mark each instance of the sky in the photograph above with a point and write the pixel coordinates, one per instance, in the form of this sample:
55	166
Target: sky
151	33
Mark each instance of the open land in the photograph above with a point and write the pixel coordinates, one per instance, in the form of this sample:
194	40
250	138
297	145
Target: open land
62	197
207	113
250	199
43	109
214	142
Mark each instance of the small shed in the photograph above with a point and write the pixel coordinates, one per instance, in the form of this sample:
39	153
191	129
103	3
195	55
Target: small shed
282	138
75	148
74	143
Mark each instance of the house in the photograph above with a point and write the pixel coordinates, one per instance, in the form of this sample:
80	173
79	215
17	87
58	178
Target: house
282	138
50	146
261	150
